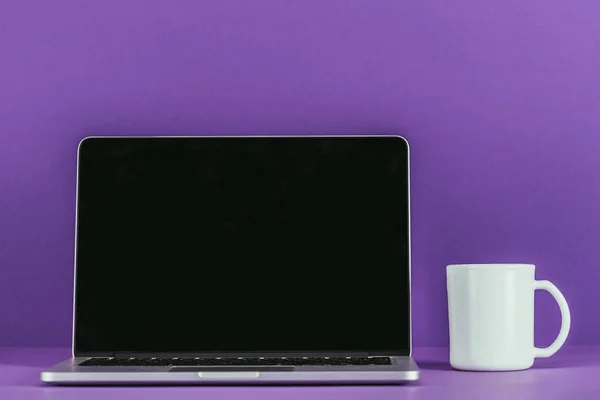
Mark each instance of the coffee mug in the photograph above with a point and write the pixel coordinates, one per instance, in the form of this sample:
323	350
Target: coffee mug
490	310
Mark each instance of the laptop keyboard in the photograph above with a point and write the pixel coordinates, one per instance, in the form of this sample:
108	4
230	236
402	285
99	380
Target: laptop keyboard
151	362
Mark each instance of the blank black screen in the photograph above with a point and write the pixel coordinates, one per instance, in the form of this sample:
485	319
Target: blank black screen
242	245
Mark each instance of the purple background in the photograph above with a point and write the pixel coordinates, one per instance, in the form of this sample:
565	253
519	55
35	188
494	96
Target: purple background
500	101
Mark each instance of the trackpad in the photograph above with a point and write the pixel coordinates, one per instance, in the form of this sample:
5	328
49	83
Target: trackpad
228	369
229	375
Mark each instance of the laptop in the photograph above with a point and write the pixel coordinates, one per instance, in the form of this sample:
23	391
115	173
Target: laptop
241	260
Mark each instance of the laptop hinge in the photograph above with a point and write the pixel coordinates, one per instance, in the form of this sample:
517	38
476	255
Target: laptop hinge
129	354
237	354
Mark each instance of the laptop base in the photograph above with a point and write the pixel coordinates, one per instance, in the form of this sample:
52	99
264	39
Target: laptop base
69	372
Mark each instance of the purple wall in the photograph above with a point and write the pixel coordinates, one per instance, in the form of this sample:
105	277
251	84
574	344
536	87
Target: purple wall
499	99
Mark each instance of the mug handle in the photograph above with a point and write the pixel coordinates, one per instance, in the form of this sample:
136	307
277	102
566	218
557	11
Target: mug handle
565	325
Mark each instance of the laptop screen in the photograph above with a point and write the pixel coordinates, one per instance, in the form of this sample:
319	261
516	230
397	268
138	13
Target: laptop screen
255	244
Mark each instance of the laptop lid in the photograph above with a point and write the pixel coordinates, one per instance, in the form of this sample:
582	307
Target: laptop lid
231	245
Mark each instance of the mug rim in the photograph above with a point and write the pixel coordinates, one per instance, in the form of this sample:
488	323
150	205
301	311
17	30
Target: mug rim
491	265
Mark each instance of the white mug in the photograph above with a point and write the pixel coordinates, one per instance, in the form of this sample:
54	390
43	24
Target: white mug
491	316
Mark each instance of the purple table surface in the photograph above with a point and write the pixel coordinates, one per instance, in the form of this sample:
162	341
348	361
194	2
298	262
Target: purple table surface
573	373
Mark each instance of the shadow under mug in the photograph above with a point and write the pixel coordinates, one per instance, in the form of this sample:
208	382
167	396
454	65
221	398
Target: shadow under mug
491	308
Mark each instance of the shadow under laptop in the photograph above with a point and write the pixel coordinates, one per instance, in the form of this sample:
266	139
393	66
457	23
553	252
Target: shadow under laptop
226	392
434	366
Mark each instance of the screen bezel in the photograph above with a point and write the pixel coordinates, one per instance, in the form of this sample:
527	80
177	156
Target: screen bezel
407	347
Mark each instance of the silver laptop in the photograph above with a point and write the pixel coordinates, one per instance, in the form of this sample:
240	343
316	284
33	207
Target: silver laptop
241	260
